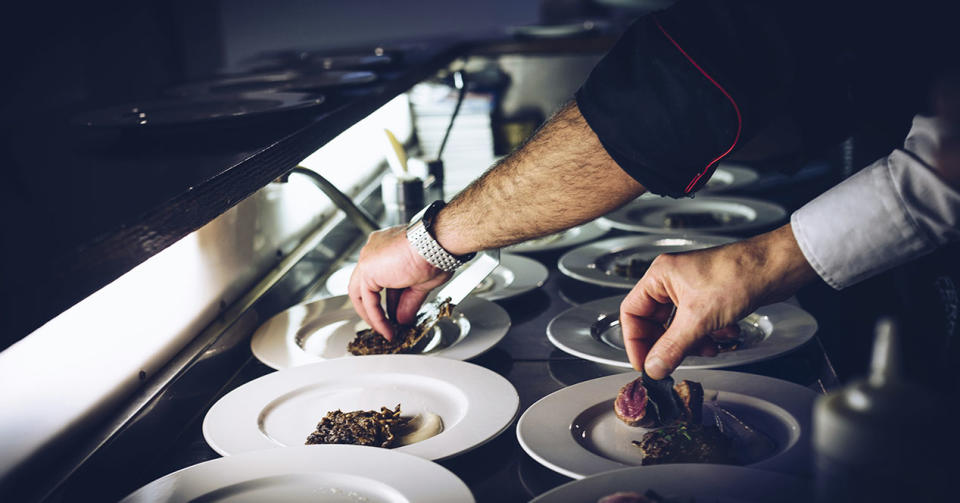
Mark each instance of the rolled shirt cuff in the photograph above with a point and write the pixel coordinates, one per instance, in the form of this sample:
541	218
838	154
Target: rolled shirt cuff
890	212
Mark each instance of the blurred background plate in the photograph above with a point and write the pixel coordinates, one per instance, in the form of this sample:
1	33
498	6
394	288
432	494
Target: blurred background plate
704	214
621	262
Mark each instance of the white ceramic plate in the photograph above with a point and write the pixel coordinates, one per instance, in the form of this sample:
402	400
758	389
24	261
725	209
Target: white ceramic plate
575	432
516	275
281	409
329	473
650	214
570	237
595	262
320	330
706	483
730	177
592	331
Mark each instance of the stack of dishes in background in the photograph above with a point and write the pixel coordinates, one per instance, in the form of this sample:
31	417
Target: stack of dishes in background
469	150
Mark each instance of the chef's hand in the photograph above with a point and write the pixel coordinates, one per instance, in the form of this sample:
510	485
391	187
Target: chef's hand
712	290
389	261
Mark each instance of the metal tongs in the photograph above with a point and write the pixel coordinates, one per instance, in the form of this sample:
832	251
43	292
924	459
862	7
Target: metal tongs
461	285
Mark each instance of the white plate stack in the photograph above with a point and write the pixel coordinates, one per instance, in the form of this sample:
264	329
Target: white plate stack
469	150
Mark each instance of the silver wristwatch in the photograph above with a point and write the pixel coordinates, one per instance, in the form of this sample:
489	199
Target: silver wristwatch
420	236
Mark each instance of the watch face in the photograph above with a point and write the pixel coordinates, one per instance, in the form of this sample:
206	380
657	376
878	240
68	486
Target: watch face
431	214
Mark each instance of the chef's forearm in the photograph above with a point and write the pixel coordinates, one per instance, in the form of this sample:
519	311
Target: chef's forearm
560	178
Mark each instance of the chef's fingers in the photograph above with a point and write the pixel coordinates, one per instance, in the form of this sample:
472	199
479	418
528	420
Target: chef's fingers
639	335
409	303
375	316
641	320
393	298
353	290
705	346
727	333
669	350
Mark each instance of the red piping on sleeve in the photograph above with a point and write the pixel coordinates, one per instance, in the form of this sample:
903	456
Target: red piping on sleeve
722	90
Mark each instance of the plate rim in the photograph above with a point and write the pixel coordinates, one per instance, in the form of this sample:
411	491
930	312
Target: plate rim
250	399
571	262
589	231
590	309
771	213
298	460
559	493
494	321
747	175
798	404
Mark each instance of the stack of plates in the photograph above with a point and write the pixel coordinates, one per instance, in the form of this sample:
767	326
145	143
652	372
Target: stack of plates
469	150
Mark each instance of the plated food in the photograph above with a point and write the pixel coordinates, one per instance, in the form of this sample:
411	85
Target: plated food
282	409
686	483
592	331
327	329
620	262
516	275
704	214
577	432
406	339
309	473
386	428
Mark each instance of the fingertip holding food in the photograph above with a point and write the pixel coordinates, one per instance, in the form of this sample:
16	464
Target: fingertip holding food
655	367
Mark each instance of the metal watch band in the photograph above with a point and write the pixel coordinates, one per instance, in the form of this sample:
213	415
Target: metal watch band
430	249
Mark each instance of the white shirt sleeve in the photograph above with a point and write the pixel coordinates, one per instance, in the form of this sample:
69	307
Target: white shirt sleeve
893	211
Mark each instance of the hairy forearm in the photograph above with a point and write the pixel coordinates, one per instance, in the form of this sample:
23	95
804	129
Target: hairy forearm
560	178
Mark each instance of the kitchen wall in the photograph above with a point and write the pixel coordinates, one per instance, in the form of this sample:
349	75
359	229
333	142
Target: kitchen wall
252	26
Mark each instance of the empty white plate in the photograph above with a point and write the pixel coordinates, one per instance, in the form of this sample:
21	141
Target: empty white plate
575	432
592	331
707	483
514	276
703	214
281	409
320	330
329	473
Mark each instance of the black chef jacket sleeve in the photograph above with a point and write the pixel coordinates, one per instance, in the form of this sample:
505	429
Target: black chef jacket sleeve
685	87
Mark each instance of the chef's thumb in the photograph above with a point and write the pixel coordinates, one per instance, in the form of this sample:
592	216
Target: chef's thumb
669	350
